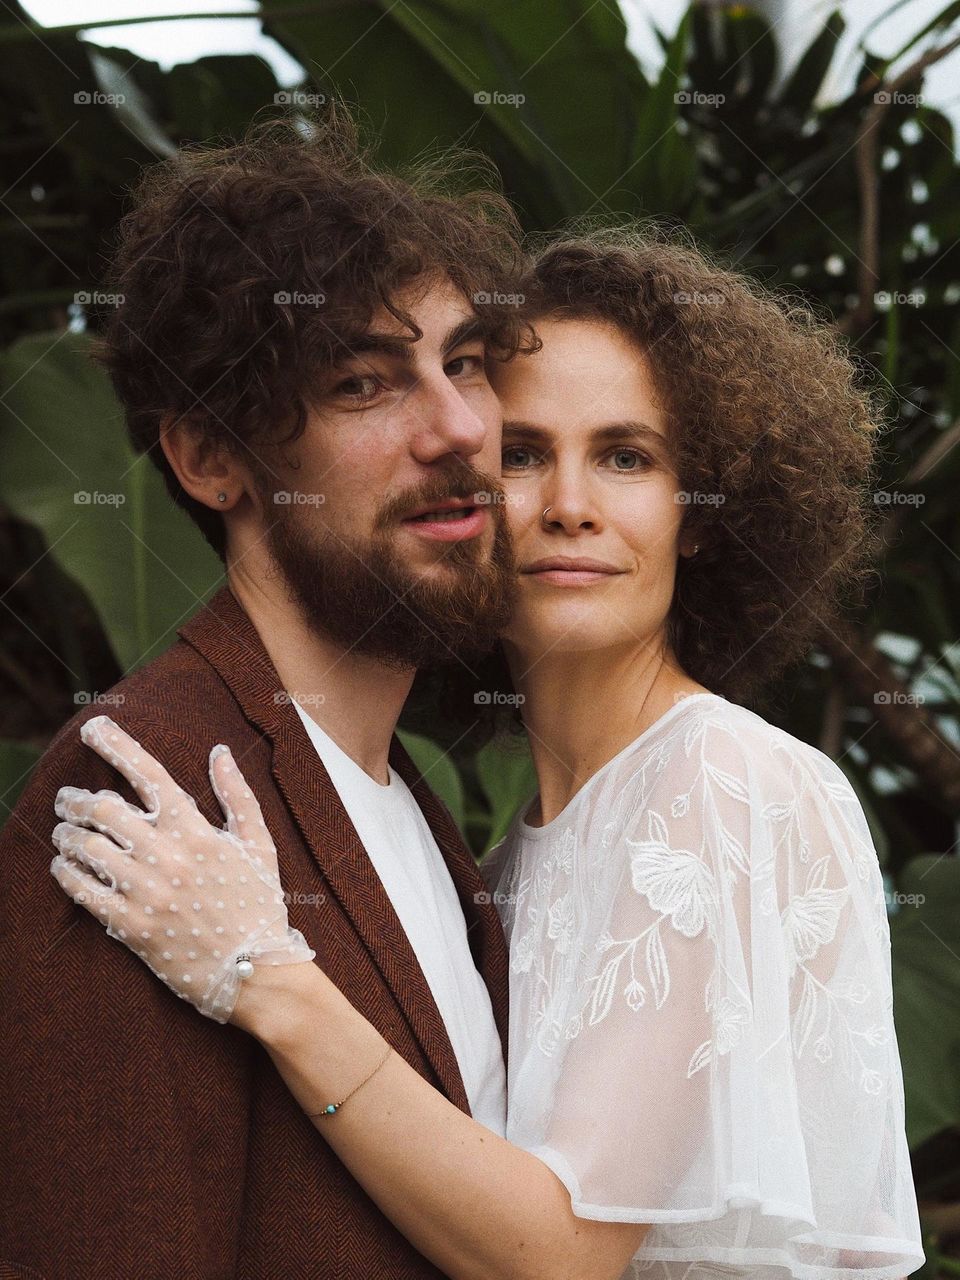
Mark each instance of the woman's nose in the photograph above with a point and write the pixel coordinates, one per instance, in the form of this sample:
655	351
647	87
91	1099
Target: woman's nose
568	506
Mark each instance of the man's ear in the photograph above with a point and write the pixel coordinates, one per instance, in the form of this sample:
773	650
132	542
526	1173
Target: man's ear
204	468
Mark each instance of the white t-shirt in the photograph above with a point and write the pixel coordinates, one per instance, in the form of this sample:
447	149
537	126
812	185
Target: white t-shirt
400	844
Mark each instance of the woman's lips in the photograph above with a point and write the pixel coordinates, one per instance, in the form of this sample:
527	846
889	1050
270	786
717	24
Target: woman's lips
573	572
570	577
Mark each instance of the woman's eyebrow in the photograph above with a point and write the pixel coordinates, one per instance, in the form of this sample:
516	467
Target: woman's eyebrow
628	430
527	430
609	432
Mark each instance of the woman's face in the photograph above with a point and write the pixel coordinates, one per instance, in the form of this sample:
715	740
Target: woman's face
584	435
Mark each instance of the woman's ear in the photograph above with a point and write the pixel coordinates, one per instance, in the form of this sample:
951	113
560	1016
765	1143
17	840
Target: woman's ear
689	546
206	469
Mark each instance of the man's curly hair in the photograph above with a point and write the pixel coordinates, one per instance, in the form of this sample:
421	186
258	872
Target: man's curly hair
248	271
774	435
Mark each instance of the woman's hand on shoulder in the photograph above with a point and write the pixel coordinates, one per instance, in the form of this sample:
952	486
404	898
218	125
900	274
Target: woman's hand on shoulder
201	906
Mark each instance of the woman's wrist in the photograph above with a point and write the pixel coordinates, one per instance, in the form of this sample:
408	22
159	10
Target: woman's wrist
273	1000
314	1035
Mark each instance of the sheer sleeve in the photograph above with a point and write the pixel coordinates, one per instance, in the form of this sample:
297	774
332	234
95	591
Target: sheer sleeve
712	1049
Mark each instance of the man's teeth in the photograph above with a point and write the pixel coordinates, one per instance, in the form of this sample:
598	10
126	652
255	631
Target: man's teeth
432	517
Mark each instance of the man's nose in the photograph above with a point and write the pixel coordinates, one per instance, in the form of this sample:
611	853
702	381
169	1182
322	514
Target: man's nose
444	422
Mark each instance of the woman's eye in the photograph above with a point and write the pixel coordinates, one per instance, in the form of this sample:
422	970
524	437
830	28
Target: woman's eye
629	460
517	458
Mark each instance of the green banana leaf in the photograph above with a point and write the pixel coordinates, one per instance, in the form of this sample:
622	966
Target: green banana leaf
438	771
925	944
67	466
507	779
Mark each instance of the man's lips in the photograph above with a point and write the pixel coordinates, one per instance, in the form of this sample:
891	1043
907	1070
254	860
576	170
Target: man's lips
452	520
448	504
570	571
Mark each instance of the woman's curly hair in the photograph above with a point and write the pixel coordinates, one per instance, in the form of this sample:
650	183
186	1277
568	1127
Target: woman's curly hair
774	437
248	271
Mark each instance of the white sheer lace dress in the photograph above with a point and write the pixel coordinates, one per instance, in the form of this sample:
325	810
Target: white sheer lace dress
701	1029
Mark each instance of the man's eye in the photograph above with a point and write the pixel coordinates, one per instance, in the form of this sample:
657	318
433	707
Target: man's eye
629	460
517	457
358	387
463	364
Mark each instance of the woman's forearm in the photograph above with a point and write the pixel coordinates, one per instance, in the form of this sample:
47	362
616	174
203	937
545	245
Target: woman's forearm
474	1204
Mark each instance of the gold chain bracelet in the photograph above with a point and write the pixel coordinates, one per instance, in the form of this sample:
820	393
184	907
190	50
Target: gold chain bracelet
333	1107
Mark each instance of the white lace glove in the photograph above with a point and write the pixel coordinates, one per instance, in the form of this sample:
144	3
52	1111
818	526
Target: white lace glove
199	905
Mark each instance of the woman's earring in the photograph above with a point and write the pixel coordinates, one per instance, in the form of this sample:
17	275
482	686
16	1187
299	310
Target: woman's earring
221	496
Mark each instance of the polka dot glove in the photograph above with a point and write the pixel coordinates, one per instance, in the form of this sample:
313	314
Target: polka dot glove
198	904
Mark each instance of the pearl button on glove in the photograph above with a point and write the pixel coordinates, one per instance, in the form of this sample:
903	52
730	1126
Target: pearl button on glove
201	906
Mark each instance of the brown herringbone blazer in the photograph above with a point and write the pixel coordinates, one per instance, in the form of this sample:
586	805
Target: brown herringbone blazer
138	1140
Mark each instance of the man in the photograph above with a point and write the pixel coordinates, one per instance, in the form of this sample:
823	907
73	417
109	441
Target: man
300	353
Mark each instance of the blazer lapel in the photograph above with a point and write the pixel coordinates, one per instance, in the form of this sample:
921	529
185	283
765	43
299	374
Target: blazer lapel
223	633
484	931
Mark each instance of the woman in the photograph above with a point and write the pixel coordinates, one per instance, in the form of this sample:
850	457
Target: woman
703	1066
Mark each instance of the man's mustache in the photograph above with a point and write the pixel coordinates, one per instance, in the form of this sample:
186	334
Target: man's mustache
467	484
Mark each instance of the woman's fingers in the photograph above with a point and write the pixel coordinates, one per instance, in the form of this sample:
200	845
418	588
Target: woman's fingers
187	896
89	868
80	873
104	811
239	804
98	855
82	886
145	774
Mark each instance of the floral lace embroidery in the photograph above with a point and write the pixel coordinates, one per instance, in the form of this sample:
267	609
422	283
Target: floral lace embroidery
683	888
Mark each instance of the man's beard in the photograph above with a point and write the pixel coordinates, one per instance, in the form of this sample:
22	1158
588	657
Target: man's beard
364	596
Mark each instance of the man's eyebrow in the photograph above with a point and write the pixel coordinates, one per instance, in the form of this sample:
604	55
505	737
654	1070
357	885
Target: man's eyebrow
378	344
610	432
469	328
386	344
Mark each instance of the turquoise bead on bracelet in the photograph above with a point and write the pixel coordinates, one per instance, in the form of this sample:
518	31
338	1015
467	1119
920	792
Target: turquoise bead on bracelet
333	1107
